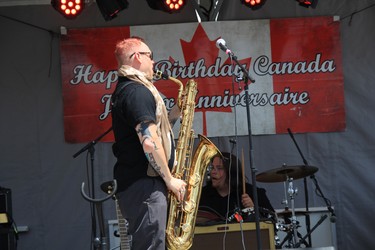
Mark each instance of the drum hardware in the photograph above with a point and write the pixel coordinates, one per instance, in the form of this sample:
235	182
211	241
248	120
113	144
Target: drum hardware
241	215
290	234
290	225
285	200
293	239
293	191
296	172
237	215
290	239
287	174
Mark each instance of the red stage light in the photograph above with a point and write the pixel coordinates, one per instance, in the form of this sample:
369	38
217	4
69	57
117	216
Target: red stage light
253	4
68	8
308	3
170	6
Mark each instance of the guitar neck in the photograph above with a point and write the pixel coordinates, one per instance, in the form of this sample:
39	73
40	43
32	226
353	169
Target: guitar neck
122	229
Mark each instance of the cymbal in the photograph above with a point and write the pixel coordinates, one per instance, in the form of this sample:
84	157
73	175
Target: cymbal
282	174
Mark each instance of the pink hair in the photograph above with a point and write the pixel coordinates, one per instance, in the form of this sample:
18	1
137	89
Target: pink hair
124	49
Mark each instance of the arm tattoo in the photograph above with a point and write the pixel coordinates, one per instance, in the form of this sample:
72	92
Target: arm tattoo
145	137
143	129
153	163
145	132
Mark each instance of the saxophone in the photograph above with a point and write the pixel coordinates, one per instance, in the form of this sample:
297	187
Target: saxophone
182	215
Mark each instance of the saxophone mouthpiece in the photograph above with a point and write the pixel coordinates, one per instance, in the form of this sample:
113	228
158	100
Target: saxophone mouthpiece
158	75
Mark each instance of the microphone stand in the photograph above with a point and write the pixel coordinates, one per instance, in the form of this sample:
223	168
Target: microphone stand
327	201
307	216
102	242
92	143
251	156
302	240
315	181
91	149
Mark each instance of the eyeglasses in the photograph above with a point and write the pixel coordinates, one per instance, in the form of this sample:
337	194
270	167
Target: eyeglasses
217	168
149	54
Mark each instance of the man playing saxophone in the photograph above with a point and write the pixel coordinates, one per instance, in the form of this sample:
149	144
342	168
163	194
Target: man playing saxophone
144	146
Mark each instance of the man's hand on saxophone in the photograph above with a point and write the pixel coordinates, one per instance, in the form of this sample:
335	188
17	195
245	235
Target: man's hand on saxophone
154	151
177	187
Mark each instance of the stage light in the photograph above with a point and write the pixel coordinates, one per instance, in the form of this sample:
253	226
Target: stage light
110	8
308	3
68	8
170	6
253	4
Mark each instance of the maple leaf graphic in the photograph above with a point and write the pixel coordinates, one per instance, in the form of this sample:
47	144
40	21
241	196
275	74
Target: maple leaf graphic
210	87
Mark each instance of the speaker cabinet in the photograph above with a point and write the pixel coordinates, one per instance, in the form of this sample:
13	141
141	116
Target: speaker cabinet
7	237
6	201
212	237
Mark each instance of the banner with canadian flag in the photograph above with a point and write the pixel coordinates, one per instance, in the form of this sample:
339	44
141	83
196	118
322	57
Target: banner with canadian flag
296	64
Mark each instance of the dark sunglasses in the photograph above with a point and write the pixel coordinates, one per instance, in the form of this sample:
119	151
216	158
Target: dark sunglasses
149	54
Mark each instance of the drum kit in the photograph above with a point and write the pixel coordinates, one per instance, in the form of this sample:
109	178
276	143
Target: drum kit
289	225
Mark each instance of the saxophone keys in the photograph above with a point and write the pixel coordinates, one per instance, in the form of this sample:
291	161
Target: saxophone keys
189	206
195	179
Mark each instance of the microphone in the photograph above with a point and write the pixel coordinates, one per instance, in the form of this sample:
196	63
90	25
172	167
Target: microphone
221	44
332	217
158	75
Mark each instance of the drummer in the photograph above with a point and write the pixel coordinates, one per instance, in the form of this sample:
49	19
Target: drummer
224	196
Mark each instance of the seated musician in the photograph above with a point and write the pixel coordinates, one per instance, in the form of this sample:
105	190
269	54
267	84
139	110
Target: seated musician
223	199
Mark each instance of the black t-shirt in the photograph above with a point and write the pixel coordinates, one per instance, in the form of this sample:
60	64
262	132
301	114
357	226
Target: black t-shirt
212	201
132	104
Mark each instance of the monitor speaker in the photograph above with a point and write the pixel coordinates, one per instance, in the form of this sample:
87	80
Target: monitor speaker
233	236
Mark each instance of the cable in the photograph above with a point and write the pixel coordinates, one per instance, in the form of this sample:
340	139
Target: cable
356	12
233	142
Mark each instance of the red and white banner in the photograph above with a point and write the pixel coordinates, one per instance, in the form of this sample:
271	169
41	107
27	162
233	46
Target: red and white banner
296	64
